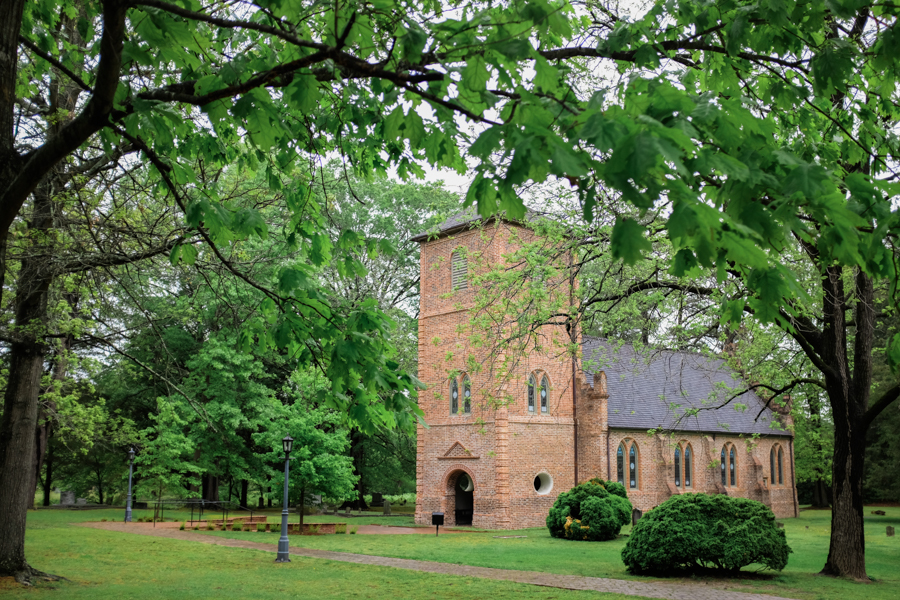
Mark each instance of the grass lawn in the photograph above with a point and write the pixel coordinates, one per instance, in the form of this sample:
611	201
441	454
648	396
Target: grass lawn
108	565
540	552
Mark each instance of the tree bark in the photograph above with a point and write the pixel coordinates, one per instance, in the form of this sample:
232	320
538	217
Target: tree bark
849	395
245	492
48	478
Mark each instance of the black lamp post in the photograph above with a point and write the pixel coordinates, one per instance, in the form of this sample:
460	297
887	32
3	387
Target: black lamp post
283	552
130	471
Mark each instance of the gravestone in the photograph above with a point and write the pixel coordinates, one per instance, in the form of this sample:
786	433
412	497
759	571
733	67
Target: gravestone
387	507
636	515
377	498
890	531
348	511
67	498
80	501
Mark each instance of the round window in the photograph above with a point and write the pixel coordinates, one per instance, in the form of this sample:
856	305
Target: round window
543	483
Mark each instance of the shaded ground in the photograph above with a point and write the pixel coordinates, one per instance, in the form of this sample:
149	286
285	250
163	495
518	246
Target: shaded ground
686	591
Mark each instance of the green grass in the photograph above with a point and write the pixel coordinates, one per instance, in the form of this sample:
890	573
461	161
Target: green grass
98	560
115	566
540	552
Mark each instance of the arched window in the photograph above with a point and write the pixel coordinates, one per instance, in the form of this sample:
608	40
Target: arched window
454	396
678	467
683	465
467	395
733	466
772	454
620	464
688	465
633	465
459	267
729	465
545	395
724	471
780	468
531	385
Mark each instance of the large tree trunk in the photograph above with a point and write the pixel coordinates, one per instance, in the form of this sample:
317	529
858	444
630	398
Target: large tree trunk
848	390
20	413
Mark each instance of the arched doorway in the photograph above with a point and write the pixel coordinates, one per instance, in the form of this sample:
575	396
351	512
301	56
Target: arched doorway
463	497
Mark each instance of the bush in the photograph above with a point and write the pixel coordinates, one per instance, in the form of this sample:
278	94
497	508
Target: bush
696	532
593	511
236	527
340	528
182	526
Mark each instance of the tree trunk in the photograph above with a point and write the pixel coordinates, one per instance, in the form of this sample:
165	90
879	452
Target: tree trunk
848	386
302	505
821	494
245	492
847	550
20	412
48	478
100	483
17	429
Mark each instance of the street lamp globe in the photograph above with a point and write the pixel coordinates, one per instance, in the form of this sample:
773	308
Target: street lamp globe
287	443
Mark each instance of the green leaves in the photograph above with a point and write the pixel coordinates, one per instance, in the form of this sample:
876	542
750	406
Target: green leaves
628	241
831	67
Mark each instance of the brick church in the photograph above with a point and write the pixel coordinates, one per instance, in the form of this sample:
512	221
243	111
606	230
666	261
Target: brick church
501	465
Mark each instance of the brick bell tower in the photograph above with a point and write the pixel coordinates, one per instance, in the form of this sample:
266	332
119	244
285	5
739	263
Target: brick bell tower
495	453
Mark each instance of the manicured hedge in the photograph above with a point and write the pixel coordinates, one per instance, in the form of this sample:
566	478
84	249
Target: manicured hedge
591	511
696	532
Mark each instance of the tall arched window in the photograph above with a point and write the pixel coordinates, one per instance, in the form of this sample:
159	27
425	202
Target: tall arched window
733	466
683	465
531	385
724	468
467	395
688	465
678	467
780	467
459	268
620	464
454	396
729	465
545	395
776	462
772	454
633	465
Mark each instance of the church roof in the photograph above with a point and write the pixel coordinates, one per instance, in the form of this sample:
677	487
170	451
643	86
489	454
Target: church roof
465	219
654	388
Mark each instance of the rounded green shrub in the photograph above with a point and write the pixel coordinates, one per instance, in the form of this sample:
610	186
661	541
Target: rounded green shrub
696	532
592	511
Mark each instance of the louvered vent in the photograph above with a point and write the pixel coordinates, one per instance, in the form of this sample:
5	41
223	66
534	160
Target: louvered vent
459	267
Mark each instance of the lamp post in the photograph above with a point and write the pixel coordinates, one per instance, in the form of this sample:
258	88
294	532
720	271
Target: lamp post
130	471
283	553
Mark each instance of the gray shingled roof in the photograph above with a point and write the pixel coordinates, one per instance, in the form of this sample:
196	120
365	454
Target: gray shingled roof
468	216
653	388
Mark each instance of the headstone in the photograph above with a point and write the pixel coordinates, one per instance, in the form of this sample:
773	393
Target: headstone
80	501
890	531
779	525
377	498
636	515
387	507
67	498
348	511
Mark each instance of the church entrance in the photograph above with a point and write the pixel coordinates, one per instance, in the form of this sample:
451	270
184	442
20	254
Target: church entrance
465	499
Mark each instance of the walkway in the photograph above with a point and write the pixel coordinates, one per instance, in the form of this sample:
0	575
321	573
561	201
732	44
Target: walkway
686	591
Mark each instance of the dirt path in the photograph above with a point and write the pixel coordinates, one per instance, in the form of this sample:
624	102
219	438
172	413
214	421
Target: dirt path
684	591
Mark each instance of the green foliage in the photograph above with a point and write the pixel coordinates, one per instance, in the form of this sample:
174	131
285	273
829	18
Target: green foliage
593	511
691	532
